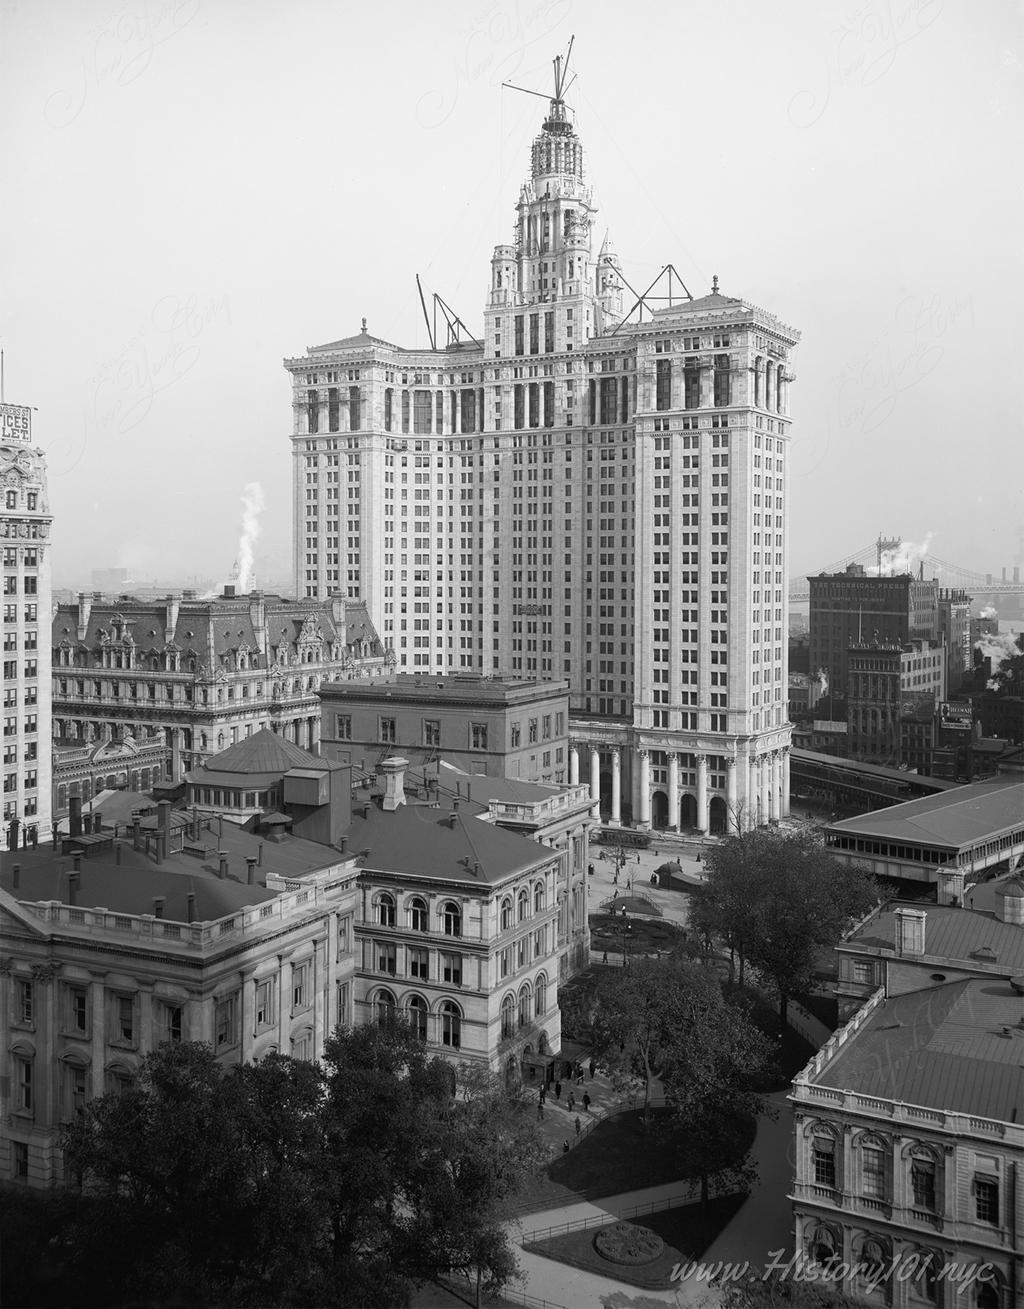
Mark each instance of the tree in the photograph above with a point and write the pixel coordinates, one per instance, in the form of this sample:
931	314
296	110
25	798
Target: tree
488	1149
777	1291
779	900
292	1183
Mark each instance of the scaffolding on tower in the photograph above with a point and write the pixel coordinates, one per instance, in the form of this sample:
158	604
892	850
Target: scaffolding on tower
452	322
644	299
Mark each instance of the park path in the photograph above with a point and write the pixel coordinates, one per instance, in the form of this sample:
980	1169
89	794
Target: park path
762	1224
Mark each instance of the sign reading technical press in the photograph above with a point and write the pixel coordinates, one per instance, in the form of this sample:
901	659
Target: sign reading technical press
15	423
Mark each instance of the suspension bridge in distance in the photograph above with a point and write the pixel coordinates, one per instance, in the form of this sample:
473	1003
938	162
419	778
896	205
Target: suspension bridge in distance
982	587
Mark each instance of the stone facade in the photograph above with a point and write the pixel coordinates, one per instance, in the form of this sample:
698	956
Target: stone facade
578	495
204	672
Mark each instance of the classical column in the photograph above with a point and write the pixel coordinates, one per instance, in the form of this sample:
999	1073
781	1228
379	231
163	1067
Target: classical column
574	765
595	782
766	788
616	819
284	1004
776	785
645	788
99	1036
754	792
314	728
707	381
732	818
702	793
784	797
673	792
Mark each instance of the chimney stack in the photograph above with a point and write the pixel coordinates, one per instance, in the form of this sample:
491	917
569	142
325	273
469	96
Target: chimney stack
136	832
259	854
342	842
250	869
222	872
910	925
190	901
73	888
16	872
394	783
158	906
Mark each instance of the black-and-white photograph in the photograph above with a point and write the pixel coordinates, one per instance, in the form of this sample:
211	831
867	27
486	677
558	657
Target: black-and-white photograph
512	517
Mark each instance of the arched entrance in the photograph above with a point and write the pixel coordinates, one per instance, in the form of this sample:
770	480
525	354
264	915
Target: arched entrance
659	809
688	812
718	816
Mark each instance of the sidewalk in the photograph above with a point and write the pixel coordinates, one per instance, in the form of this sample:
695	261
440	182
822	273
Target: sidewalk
763	1224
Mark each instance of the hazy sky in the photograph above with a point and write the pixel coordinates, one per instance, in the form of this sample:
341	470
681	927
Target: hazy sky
195	189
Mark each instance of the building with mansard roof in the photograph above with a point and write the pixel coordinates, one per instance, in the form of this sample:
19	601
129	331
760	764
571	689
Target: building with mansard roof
202	673
586	492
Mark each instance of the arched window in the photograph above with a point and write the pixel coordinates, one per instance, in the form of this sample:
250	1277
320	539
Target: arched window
417	1007
508	1016
541	996
451	1025
988	1294
384	1009
525	1005
418	915
506	914
822	1244
452	919
538	897
523	904
386	910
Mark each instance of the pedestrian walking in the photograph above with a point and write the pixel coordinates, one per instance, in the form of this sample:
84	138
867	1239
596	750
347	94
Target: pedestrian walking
579	1074
558	1090
591	1070
572	1102
579	1125
586	1102
540	1110
604	957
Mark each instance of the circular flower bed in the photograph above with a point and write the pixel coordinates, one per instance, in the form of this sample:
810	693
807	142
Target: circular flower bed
625	1243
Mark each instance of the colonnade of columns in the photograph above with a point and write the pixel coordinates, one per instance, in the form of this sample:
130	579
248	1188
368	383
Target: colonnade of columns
765	798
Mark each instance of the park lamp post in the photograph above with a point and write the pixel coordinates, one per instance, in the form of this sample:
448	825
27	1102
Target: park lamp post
626	929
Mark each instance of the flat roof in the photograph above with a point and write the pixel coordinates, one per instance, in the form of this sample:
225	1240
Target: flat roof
129	887
953	819
418	688
958	1047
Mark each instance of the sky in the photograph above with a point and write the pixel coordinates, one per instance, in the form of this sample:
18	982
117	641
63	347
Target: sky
197	189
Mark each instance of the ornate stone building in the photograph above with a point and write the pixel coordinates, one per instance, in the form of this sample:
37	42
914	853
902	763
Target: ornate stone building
206	673
579	495
25	540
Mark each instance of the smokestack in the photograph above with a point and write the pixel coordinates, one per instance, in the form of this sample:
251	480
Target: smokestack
75	816
342	843
190	902
910	931
136	832
158	906
161	846
73	888
163	810
250	869
259	854
194	833
394	783
222	872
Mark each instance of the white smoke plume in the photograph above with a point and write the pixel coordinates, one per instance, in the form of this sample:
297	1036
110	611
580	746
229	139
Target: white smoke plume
821	677
997	647
903	559
253	503
242	574
989	611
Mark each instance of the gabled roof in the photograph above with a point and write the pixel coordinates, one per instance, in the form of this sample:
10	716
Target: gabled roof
957	1047
418	840
360	340
952	819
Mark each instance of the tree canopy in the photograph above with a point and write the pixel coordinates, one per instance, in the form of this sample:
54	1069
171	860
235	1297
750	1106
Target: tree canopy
292	1183
777	901
669	1020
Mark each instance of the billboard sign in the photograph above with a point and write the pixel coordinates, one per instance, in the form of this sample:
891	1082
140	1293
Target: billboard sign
956	717
15	423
